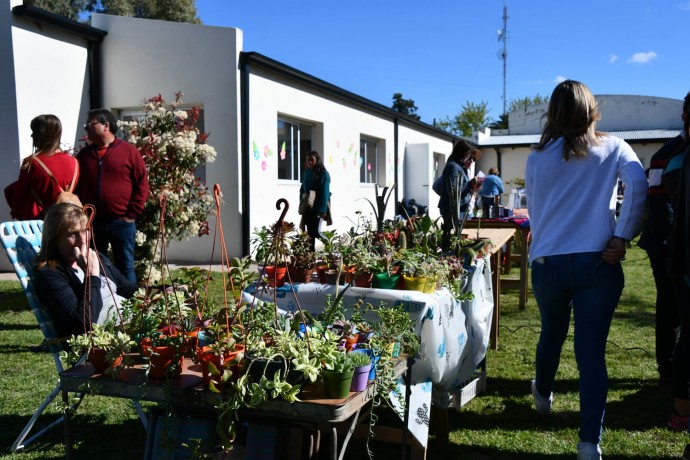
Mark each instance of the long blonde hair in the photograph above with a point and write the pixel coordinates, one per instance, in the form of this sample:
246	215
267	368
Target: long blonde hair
572	115
61	218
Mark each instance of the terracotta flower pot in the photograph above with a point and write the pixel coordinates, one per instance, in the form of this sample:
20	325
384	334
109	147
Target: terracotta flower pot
363	279
99	361
231	358
301	275
275	275
161	359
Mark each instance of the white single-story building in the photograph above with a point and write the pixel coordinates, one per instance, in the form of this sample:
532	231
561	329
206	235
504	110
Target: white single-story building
262	115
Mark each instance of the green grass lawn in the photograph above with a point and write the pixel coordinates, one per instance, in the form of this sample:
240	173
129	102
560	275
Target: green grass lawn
500	424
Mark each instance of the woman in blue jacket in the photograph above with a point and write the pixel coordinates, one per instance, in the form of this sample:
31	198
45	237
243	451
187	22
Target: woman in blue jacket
316	190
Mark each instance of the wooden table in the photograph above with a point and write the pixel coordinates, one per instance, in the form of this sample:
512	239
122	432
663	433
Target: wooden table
498	237
523	233
188	393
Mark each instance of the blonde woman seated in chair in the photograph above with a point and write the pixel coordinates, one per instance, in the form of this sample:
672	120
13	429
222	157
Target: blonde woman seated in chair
61	267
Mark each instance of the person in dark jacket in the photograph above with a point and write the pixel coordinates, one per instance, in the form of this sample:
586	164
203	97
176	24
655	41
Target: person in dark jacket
65	264
114	180
316	181
655	240
456	187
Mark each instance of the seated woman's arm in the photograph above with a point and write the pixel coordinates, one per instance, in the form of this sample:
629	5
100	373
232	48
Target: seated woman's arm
62	295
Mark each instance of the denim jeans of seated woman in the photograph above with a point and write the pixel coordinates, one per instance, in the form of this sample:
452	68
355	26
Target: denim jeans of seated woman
589	287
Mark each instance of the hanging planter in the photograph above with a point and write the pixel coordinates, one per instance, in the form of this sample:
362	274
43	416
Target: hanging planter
213	368
98	359
275	275
164	360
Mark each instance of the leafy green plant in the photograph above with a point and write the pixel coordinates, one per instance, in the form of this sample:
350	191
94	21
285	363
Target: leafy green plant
114	343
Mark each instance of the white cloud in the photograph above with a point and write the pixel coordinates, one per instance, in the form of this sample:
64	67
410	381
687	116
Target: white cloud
684	6
642	58
559	79
535	82
613	58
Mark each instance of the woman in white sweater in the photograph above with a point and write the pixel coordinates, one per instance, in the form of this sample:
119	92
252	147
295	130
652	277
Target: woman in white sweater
577	245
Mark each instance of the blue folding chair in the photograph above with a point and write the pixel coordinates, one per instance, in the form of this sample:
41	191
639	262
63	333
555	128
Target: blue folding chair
22	241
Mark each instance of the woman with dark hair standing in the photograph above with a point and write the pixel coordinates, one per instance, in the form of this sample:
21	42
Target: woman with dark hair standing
44	174
577	245
315	194
455	187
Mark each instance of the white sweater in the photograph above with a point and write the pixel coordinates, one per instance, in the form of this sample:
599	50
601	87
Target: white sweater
572	204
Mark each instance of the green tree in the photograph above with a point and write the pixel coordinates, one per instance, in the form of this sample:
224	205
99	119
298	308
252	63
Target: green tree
525	102
67	8
472	117
501	123
404	106
166	10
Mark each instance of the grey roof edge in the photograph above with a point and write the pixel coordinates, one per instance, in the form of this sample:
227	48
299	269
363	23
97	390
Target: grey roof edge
60	22
257	59
631	136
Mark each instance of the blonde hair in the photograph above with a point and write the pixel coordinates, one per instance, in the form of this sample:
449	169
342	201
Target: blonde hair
61	218
572	115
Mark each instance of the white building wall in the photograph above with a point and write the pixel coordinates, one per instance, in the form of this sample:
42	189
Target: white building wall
618	113
424	176
340	126
143	58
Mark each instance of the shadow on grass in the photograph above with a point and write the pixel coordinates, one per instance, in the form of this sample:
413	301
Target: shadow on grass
91	437
644	407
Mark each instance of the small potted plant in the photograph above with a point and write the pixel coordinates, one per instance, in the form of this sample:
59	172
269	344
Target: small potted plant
337	375
302	258
105	348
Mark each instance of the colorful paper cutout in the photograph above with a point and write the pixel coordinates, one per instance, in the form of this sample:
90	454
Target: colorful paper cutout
282	151
256	150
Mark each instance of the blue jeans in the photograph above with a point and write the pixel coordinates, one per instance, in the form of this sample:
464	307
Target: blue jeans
119	234
586	285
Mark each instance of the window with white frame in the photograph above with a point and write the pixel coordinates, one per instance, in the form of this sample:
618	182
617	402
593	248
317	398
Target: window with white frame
439	164
372	161
294	142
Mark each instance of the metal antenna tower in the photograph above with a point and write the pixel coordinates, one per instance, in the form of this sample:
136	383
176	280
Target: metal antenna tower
503	37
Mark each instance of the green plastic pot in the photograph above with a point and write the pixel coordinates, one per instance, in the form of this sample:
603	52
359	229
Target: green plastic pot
338	383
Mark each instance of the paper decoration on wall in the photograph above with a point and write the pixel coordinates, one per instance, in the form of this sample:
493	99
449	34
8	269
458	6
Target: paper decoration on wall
369	167
361	161
351	147
264	165
337	144
282	151
256	150
344	163
330	159
267	152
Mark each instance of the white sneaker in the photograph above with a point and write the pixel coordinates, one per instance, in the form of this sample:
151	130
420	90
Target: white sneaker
542	404
588	451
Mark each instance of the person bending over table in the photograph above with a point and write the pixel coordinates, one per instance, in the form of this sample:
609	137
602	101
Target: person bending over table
61	266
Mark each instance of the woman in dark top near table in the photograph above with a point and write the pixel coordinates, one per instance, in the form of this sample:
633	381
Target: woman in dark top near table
316	179
61	266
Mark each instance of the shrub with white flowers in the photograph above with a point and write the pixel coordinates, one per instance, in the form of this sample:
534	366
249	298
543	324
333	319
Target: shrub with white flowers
172	147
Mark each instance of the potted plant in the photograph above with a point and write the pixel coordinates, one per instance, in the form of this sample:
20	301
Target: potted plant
302	258
337	375
104	347
362	366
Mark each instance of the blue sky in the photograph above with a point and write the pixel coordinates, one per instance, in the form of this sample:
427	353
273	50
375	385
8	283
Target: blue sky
442	53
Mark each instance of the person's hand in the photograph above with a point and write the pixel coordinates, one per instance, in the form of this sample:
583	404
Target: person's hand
615	251
87	259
